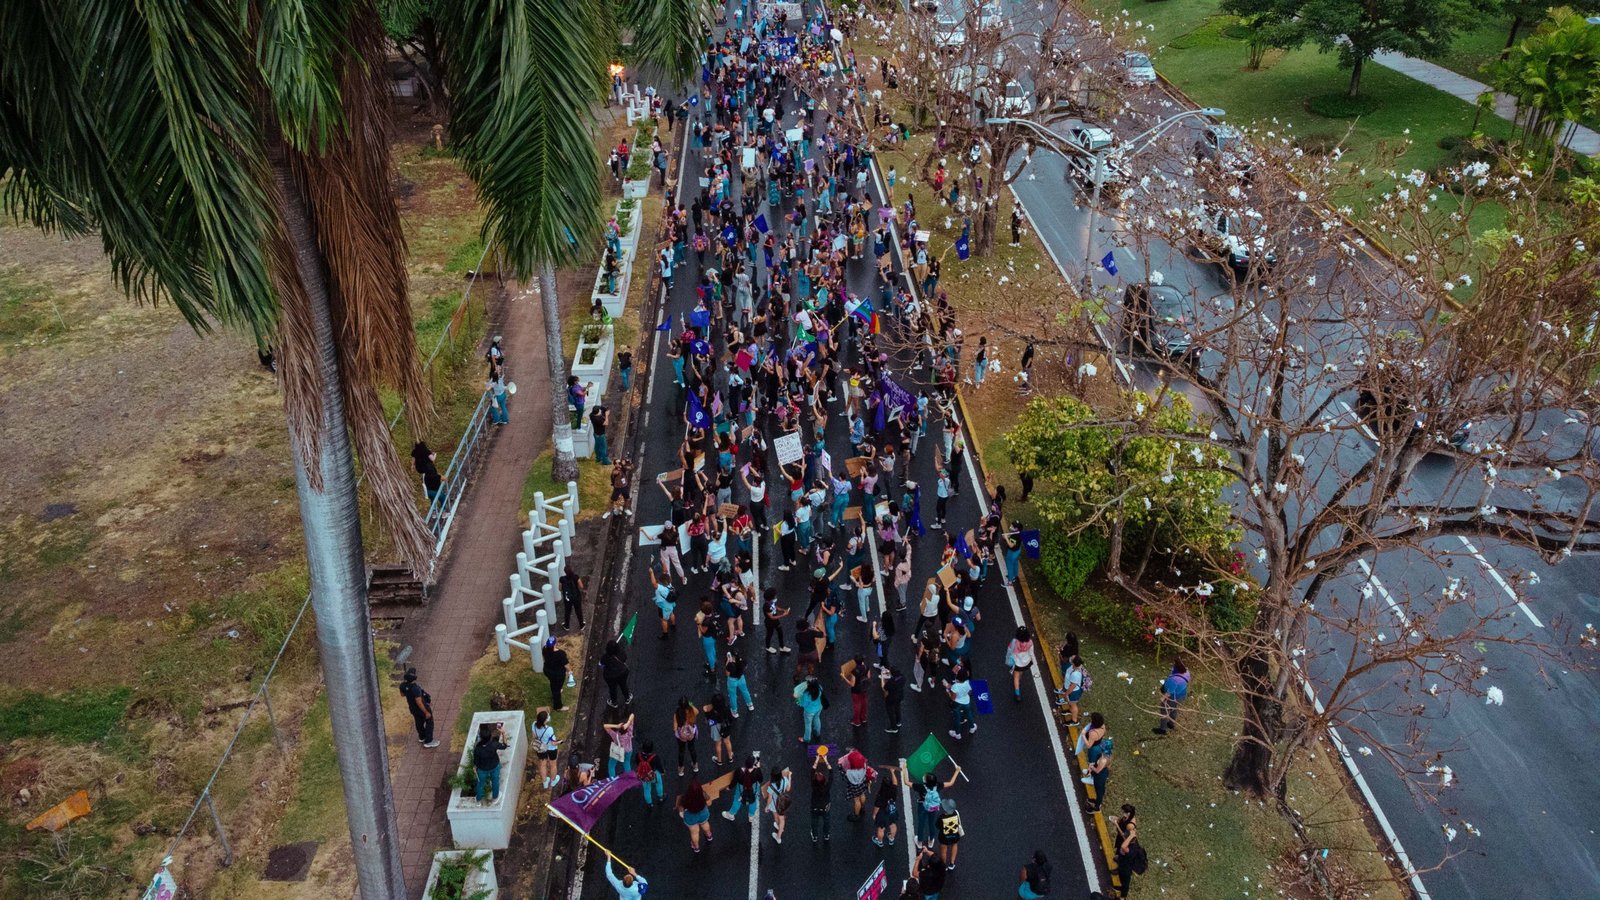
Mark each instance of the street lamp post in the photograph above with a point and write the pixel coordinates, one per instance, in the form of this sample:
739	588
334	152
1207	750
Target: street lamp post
1141	141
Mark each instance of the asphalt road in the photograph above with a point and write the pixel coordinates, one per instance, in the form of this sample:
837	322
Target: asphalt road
1526	774
1020	796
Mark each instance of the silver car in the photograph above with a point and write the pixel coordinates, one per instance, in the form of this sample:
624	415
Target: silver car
1137	68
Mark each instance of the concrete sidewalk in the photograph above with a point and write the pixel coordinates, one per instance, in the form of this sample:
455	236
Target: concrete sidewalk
1578	139
458	624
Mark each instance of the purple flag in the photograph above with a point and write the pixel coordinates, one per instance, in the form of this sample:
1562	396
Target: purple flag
697	413
981	700
761	223
899	398
583	807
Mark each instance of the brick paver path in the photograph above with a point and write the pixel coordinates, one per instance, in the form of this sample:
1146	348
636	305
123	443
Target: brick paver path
458	624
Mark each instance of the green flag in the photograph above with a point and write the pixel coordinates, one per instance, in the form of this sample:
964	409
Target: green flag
926	759
627	633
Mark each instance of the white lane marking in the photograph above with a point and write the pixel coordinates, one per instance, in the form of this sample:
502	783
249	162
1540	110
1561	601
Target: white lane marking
910	831
877	573
755	844
1121	367
1041	693
1501	581
655	354
1383	592
1359	424
1351	765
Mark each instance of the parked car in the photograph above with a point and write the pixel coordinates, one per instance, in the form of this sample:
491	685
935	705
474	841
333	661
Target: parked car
1154	317
1016	101
1223	145
950	25
1224	235
1099	144
1137	68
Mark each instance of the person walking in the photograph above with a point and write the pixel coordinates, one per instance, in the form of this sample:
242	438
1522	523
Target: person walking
545	744
893	683
943	492
620	755
773	619
1035	878
694	808
572	598
929	873
499	412
599	421
856	676
486	760
1019	657
666	601
614	669
746	789
1097	748
719	721
950	832
1174	690
962	721
647	766
685	728
886	807
738	683
821	796
929	796
812	701
420	706
777	793
1129	856
556	670
857	775
709	624
631	886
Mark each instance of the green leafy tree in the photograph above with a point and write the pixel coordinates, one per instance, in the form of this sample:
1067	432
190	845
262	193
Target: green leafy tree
412	27
524	78
1358	29
1154	493
233	160
1553	74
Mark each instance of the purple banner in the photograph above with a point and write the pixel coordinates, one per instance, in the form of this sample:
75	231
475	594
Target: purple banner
898	398
584	806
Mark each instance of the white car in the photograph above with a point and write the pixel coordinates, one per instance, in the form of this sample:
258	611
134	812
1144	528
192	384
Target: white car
1226	236
1137	68
1016	101
1095	163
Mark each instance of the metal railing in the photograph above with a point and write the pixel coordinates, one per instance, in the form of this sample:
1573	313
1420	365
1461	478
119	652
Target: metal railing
453	486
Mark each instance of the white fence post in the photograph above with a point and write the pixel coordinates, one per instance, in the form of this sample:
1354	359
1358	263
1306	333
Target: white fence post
501	642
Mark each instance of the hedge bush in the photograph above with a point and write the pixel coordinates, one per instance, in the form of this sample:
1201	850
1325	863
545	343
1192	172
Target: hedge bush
1115	618
1069	561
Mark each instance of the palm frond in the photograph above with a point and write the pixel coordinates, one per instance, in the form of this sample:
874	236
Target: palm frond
669	33
524	77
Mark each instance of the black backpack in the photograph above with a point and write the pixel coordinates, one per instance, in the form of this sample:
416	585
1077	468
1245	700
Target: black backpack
1136	858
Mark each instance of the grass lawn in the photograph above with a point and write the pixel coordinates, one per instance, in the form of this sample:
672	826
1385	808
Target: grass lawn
1191	50
594	487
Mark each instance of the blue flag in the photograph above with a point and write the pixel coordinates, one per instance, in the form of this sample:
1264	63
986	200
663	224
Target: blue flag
1030	542
980	697
728	234
962	547
700	347
665	326
963	247
700	318
695	100
761	223
697	413
1109	262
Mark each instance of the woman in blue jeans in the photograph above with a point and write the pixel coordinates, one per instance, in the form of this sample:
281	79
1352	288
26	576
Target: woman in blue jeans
648	767
621	754
486	760
808	696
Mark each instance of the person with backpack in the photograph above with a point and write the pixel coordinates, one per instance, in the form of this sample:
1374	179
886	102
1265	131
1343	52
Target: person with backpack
929	798
1097	746
1130	857
544	748
666	600
685	728
1077	681
1035	878
821	796
719	718
778	796
1173	692
1019	657
746	789
710	623
886	808
647	766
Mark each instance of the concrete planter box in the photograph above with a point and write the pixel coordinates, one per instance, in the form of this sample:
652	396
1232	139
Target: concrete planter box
593	359
630	220
483	879
636	190
614	302
583	442
487	826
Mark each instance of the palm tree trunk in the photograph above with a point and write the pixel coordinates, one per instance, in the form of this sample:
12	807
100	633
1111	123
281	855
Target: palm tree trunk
332	522
564	467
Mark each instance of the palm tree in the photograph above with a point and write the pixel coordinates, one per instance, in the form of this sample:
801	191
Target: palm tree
233	160
524	78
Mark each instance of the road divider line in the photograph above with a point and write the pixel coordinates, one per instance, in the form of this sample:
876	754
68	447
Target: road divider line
1500	580
911	816
1383	592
